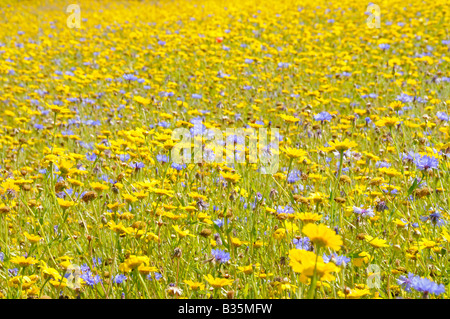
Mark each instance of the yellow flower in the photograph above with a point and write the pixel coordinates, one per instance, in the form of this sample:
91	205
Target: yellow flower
258	244
188	208
354	293
9	186
237	242
66	264
51	272
65	203
316	197
280	233
75	182
32	238
115	206
60	283
343	145
308	217
426	244
446	235
323	236
26	281
396	105
194	285
22	261
160	191
323	271
293	152
145	270
119	228
389	171
306	262
290	227
218	282
376	242
400	223
99	187
129	198
363	258
64	166
133	262
248	269
285	286
141	195
152	237
289	118
387	121
181	233
230	177
141	100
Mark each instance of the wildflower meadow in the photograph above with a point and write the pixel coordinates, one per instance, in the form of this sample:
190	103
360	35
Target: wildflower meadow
239	149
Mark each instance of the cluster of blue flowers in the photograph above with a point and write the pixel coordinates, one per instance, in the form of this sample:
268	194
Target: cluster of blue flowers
424	162
364	212
220	255
420	284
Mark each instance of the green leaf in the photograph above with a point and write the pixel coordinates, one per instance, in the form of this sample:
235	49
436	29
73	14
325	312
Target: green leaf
413	186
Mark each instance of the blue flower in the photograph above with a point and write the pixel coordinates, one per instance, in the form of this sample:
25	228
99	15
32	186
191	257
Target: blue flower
426	162
411	156
91	157
381	164
442	116
425	285
89	277
302	243
130	77
435	219
259	196
220	255
208	155
124	157
157	275
363	212
137	165
162	158
219	222
323	116
178	167
405	98
384	46
338	259
119	279
96	261
164	124
283	65
13	272
294	176
198	129
407	282
285	210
